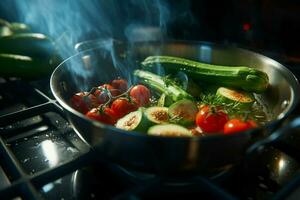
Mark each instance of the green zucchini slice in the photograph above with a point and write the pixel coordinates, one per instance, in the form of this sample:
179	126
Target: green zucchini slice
169	130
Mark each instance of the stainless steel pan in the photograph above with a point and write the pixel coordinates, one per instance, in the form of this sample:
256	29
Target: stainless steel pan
159	154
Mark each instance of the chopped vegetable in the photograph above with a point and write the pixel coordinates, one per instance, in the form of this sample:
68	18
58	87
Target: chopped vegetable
158	115
240	99
134	121
169	130
183	112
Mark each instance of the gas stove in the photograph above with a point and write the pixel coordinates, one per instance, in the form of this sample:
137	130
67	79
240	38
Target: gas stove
43	158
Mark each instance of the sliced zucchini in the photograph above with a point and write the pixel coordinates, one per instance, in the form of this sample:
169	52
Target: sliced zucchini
134	121
157	115
183	112
242	99
169	130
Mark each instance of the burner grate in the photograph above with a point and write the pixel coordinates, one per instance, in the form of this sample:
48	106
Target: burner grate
31	121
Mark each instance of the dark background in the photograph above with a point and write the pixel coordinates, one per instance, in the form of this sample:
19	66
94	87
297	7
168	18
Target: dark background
267	26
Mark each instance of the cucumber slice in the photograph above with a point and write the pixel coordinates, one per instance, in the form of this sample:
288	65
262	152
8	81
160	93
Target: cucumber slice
134	121
169	130
242	99
157	115
183	112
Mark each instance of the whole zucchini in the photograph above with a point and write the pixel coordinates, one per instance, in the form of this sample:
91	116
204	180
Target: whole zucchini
27	44
241	77
24	66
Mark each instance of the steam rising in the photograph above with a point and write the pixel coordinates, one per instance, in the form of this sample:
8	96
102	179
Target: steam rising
71	21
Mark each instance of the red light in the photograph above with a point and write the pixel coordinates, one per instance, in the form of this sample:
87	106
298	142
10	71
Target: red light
246	26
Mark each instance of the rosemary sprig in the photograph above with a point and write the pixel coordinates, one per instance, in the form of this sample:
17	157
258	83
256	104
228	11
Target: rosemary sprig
232	109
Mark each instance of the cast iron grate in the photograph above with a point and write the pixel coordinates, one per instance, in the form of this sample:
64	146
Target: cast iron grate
27	184
22	183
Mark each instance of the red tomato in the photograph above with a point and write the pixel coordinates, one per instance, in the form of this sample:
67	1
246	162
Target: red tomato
102	96
120	84
106	116
83	103
122	107
238	125
211	120
141	94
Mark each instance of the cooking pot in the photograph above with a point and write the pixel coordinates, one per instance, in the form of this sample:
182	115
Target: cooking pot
109	59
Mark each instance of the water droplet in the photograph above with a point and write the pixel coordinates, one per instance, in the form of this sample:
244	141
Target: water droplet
25	160
25	139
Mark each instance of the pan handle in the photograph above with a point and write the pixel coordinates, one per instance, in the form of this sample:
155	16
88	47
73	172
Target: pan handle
276	140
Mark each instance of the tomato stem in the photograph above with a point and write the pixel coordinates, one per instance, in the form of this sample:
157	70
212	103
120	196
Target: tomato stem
111	98
92	91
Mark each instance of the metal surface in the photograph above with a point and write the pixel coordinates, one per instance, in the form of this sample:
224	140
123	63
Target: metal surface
166	155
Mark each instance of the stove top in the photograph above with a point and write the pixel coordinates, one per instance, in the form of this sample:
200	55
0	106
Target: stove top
43	158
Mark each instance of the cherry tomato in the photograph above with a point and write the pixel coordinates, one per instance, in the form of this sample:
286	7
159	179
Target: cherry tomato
238	125
83	103
141	94
122	107
120	84
102	96
106	116
211	119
